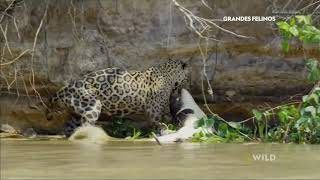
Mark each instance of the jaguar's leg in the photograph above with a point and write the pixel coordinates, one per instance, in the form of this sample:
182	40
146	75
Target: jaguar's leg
71	125
154	113
91	112
85	109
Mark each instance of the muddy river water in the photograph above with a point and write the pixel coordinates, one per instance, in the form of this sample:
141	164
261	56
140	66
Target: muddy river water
60	159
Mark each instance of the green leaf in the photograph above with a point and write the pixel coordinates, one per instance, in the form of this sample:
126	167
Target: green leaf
292	22
300	121
305	98
314	75
317	38
261	132
312	110
235	125
314	98
311	64
314	71
285	46
308	19
209	122
200	123
283	116
307	130
205	123
294	31
283	25
257	114
304	19
223	127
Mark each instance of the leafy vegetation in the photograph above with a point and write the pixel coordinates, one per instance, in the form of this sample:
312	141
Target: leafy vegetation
222	131
298	27
297	122
300	123
126	128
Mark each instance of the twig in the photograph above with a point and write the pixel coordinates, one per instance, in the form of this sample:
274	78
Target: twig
156	138
32	78
16	26
206	5
271	109
309	5
5	11
205	24
25	88
72	14
15	78
5	79
15	59
4	32
204	73
17	89
287	131
170	24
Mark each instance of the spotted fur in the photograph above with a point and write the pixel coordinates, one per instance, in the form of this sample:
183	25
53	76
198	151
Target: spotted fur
117	92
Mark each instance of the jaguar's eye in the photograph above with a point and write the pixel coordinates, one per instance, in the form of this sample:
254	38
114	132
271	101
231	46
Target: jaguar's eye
176	84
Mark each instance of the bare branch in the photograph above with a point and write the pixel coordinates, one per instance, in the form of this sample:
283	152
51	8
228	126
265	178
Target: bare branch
4	32
72	13
205	4
15	59
17	29
5	11
32	78
310	5
315	10
204	24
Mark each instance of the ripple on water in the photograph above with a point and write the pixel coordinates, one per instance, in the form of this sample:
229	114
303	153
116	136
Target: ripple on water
119	159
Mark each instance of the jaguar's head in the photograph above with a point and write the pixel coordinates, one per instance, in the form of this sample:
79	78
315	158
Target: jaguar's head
176	71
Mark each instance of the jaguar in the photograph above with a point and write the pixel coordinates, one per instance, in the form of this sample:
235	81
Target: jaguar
118	92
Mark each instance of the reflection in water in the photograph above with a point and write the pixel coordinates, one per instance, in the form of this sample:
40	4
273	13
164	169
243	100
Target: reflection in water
65	159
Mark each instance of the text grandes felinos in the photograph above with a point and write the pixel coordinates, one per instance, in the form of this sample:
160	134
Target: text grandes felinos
249	18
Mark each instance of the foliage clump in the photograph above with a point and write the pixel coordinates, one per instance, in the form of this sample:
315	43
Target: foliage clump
298	122
299	27
222	131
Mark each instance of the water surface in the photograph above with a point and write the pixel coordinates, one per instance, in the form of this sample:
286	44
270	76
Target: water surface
61	159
